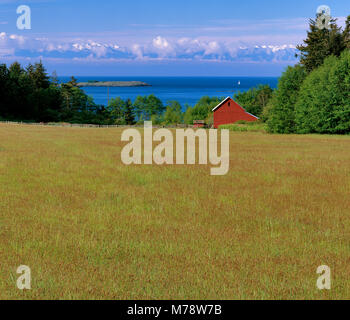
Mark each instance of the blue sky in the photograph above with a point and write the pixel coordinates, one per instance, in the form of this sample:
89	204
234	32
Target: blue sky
179	38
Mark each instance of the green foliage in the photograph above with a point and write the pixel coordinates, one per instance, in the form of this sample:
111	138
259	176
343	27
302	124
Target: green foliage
318	102
346	33
209	121
146	107
76	105
140	107
121	112
38	75
157	119
30	95
154	106
281	117
321	43
323	105
117	108
202	110
267	110
243	126
27	94
254	100
188	115
173	113
129	113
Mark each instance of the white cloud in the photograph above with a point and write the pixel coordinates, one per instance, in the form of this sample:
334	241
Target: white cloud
137	51
19	39
212	48
157	48
161	43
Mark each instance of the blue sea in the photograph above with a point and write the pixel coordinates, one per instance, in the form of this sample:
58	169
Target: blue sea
186	90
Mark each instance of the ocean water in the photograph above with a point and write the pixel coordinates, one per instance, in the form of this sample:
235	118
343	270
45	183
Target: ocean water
186	90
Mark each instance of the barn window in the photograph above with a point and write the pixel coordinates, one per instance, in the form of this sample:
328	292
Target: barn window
229	104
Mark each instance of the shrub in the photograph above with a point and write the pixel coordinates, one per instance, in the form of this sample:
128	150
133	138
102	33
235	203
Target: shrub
281	114
254	100
245	127
202	110
323	105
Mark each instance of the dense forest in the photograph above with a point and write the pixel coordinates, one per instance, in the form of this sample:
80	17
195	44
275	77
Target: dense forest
312	96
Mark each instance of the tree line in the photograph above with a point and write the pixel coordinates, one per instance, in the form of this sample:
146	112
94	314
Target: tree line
314	95
29	94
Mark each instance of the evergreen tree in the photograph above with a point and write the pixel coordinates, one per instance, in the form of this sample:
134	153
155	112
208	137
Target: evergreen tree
15	71
75	101
4	91
140	108
346	33
320	43
20	94
37	73
54	79
73	82
129	113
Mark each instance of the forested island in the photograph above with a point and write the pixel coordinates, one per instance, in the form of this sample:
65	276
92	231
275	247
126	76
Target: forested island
113	84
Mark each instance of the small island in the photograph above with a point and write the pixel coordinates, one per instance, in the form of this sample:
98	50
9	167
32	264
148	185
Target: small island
113	84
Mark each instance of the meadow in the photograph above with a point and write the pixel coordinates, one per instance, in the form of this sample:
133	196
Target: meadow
90	227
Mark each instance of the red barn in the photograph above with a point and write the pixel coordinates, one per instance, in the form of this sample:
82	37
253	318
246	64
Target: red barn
229	111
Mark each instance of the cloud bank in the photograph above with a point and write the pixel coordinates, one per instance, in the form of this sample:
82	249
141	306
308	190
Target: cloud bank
159	48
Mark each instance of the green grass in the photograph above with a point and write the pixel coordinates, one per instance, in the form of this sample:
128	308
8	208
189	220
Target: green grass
90	227
246	127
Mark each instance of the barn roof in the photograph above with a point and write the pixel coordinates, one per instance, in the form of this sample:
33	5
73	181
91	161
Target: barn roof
229	98
221	103
252	115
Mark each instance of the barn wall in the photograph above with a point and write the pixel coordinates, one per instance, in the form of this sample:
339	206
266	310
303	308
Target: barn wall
232	114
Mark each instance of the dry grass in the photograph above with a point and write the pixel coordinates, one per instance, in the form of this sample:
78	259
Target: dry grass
92	228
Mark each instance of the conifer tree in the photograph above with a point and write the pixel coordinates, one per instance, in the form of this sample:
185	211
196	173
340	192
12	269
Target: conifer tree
129	113
346	33
37	73
320	43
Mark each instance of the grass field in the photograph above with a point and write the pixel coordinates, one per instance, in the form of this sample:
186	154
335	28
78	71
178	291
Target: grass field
90	227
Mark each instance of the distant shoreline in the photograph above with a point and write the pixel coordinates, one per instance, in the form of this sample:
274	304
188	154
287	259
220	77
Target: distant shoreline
113	84
185	90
